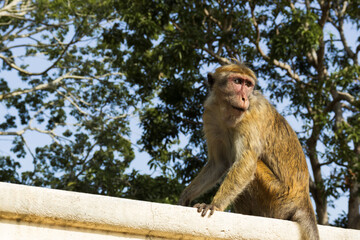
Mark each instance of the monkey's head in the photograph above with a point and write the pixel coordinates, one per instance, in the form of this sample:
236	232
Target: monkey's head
233	85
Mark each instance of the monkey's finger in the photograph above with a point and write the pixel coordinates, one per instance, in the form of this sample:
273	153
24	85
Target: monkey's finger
200	206
206	208
212	210
196	205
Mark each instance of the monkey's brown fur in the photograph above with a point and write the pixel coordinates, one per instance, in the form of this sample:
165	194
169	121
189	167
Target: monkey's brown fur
257	151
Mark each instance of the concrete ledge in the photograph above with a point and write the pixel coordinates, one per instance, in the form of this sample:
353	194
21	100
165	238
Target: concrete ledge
40	213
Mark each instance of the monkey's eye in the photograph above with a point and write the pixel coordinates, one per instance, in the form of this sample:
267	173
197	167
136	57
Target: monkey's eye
238	81
248	83
242	81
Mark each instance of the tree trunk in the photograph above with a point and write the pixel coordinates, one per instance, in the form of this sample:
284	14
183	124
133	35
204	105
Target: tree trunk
354	196
354	203
318	191
321	211
317	188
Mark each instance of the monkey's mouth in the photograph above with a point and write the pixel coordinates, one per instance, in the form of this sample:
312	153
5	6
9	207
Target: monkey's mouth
238	108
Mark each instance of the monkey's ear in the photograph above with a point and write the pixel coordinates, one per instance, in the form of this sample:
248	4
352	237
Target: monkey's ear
211	80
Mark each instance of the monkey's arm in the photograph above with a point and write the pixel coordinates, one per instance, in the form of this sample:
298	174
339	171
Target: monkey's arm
238	177
207	178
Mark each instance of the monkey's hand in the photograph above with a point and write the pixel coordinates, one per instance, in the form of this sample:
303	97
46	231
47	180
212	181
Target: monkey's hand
203	208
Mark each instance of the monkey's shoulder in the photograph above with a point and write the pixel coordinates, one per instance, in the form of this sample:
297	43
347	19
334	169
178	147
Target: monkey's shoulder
259	102
264	116
260	109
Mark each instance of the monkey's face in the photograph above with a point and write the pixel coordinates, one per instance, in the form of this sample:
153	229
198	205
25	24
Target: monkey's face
239	88
234	90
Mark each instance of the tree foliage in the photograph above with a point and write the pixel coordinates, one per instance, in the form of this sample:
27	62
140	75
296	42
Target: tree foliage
105	63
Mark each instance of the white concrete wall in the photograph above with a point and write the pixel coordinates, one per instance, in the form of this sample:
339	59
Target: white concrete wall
47	214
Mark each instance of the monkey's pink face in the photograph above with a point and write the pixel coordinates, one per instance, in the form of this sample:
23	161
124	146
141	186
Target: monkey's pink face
239	87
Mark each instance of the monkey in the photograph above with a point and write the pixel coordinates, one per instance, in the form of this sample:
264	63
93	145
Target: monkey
255	153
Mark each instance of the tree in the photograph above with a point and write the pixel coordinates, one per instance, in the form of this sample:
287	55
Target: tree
70	88
146	58
73	96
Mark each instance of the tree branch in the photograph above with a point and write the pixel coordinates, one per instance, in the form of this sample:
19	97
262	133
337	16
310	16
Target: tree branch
38	87
16	8
27	146
217	22
337	97
72	103
65	48
277	63
222	61
340	27
54	83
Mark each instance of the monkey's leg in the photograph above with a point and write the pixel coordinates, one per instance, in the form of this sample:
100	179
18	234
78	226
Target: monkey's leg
267	195
266	189
208	176
268	179
281	202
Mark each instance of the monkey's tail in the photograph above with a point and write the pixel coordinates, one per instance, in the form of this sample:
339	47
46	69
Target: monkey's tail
306	218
